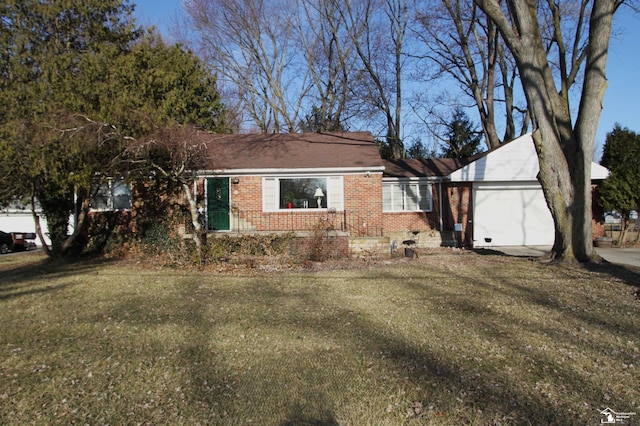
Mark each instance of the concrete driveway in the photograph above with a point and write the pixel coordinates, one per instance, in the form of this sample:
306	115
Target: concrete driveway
621	256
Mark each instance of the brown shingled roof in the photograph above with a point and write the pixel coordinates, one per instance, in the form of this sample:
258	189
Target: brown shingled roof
433	167
291	151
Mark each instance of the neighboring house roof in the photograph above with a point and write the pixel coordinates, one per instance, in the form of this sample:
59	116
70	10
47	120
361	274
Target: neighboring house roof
512	161
291	152
412	168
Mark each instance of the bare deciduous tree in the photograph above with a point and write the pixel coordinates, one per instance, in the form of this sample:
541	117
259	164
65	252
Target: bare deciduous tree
378	30
549	64
336	59
175	154
465	46
330	59
249	43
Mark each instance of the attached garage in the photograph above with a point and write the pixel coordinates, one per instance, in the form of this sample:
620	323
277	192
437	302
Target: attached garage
511	214
509	208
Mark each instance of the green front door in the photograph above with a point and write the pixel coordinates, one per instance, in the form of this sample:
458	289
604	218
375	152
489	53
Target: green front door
218	204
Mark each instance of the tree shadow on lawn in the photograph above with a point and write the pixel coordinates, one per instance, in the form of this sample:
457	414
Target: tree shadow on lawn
326	357
35	277
630	275
626	273
548	297
442	376
233	389
589	331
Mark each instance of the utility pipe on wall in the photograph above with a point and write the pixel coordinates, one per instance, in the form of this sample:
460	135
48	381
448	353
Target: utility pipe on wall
440	206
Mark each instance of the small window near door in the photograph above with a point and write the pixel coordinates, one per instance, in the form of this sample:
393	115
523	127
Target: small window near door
111	195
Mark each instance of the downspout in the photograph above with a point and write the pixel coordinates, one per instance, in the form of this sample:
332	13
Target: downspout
440	206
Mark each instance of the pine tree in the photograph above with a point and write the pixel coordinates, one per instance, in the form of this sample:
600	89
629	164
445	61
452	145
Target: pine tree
78	83
619	191
462	139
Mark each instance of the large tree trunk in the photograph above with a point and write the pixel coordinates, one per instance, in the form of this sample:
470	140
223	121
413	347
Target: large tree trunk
564	149
594	86
80	226
36	221
558	191
552	117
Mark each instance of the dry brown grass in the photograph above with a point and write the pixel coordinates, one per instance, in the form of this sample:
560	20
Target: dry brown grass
450	338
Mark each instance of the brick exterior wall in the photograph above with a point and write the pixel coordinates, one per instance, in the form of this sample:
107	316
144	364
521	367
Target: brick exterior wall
246	194
456	206
362	215
363	204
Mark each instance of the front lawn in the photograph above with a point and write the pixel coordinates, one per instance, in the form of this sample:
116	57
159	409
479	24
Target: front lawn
450	338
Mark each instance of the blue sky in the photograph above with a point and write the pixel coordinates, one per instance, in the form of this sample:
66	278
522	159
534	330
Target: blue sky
622	98
158	13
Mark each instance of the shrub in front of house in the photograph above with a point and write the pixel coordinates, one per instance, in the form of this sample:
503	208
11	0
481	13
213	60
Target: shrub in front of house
250	244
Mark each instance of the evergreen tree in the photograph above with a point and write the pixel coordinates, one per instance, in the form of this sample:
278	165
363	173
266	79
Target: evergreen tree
54	57
78	84
418	150
462	139
619	191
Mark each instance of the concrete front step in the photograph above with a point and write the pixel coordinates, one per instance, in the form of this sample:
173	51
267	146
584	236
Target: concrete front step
423	239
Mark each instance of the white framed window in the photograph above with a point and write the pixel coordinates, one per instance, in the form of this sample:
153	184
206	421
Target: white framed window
302	192
111	195
406	196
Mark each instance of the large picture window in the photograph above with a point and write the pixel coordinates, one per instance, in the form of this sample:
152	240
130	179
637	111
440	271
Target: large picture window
407	196
286	193
114	194
302	193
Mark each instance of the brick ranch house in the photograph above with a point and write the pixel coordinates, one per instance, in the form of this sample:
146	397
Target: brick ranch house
291	182
265	183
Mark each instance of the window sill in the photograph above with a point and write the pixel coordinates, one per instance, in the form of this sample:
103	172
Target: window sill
298	209
406	211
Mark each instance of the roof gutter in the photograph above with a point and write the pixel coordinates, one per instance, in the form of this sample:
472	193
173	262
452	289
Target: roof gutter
288	171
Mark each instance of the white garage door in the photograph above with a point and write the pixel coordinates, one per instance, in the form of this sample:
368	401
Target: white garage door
511	215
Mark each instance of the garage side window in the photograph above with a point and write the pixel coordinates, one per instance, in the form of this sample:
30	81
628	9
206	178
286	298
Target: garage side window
401	197
112	195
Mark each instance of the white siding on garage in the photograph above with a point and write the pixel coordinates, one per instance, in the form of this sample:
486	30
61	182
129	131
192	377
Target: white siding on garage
509	208
513	161
511	214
